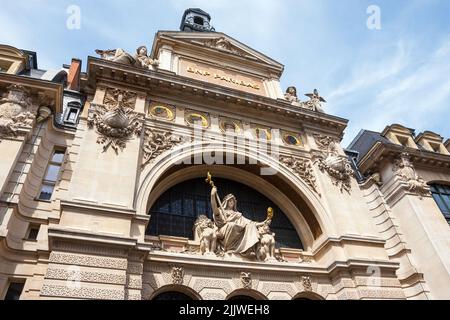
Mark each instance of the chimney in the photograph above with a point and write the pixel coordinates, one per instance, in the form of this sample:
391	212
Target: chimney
73	80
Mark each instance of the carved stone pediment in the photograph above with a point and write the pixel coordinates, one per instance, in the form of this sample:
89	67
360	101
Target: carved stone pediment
115	120
223	44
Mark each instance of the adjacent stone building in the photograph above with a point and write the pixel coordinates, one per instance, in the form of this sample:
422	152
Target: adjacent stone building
114	183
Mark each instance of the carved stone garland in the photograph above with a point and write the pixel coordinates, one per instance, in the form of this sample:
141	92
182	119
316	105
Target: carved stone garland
329	160
155	143
406	172
115	120
302	168
18	109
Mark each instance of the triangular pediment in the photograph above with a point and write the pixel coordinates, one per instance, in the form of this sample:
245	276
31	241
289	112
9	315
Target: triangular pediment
220	43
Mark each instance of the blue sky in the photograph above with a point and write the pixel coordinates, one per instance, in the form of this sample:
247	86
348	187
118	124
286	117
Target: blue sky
399	74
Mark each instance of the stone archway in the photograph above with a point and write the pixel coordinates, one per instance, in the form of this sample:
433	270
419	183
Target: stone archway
308	296
246	294
305	211
175	292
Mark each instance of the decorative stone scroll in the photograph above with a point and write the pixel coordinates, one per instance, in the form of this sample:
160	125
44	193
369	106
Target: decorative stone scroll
157	142
115	121
303	169
329	160
406	172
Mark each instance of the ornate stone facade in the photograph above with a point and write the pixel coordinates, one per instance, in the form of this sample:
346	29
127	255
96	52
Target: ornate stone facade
124	218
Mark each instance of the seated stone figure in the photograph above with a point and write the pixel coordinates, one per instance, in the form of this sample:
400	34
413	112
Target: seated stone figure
116	55
141	58
291	96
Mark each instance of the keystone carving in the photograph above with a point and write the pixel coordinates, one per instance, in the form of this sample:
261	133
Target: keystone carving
177	275
246	280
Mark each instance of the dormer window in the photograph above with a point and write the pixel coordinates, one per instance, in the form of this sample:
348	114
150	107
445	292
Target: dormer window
403	141
435	147
72	113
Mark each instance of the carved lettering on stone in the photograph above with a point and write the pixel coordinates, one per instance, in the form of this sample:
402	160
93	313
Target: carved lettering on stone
303	169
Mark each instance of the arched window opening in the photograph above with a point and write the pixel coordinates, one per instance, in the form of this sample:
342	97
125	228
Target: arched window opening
172	296
241	298
176	211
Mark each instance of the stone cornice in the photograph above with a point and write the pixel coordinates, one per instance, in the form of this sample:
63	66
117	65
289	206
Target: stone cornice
285	267
56	90
382	151
169	83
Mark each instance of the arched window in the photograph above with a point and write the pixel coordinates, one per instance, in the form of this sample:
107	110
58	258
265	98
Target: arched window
441	194
175	212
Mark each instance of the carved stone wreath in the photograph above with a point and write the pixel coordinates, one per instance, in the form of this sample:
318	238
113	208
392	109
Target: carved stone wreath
115	121
329	160
303	169
155	143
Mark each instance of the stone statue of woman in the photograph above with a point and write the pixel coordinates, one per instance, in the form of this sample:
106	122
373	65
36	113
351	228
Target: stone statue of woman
236	234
